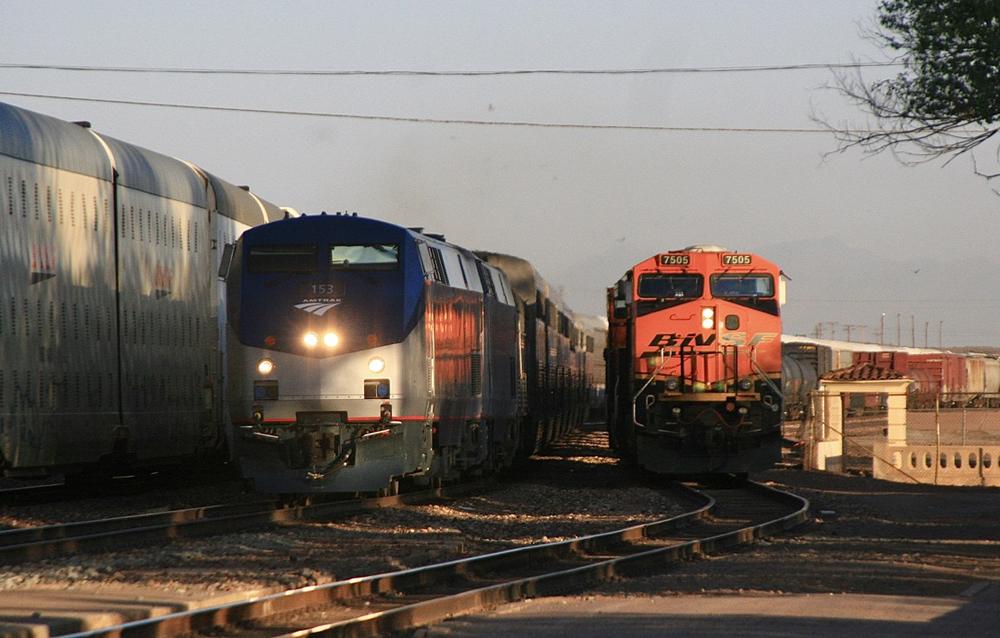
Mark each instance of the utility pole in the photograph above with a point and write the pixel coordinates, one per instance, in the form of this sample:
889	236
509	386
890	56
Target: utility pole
833	329
851	326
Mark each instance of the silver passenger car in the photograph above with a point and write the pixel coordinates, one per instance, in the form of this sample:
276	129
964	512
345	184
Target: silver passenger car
111	312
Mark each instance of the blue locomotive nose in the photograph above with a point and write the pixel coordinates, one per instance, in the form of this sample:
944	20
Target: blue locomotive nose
324	286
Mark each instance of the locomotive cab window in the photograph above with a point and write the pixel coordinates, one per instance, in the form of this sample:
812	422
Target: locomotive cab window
282	259
369	256
742	285
671	286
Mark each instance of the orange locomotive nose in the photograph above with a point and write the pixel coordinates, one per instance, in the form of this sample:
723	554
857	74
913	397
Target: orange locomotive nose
695	345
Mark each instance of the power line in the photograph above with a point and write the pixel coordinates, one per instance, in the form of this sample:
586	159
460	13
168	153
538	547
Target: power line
419	120
307	73
882	300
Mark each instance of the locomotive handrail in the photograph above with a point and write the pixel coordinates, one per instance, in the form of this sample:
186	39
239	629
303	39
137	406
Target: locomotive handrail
663	362
760	373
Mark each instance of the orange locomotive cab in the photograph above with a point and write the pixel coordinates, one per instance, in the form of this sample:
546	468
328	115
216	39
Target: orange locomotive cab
694	362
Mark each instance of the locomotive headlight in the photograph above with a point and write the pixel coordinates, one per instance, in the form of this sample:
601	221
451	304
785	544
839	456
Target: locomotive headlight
746	383
708	318
311	339
265	366
330	339
672	385
376	365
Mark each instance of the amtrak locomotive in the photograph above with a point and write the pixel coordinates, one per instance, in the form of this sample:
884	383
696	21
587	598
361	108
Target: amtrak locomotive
370	354
694	362
111	315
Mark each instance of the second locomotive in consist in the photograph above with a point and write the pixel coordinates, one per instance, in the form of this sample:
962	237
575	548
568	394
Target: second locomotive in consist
694	362
369	353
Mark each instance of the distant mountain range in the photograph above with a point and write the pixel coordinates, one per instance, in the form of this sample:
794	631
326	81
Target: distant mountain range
832	282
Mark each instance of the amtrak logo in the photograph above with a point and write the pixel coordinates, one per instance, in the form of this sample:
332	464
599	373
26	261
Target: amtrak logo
317	308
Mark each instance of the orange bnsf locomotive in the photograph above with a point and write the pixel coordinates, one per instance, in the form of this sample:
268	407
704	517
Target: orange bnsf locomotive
694	362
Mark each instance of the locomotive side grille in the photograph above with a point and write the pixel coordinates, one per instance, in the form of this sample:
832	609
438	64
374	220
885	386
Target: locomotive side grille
476	361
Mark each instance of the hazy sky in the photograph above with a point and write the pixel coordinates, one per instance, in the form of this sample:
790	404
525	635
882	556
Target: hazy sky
582	203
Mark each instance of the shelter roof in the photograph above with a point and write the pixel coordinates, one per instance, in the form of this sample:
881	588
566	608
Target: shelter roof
864	371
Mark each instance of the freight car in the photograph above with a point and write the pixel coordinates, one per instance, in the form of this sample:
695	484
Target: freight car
366	355
110	337
941	377
694	362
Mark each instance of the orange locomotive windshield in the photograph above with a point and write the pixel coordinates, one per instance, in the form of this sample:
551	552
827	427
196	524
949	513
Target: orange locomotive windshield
709	317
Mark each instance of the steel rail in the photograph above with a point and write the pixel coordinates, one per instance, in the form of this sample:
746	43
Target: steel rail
52	541
431	608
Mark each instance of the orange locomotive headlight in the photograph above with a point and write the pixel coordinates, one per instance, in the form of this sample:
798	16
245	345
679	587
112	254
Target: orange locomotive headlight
707	318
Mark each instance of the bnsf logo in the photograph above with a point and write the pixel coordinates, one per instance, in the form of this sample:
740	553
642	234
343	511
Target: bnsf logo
675	339
743	339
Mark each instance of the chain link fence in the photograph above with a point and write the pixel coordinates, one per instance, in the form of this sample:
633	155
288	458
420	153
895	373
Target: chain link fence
951	439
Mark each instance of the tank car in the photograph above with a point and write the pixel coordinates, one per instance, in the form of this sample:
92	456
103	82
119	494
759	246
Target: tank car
798	379
368	353
110	343
694	362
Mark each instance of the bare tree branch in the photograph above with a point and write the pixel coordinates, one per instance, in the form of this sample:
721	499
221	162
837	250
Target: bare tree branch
946	102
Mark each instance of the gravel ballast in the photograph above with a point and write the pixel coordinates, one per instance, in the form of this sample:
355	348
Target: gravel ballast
866	536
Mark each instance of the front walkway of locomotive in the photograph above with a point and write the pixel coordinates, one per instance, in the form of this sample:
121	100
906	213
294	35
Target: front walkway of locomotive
366	355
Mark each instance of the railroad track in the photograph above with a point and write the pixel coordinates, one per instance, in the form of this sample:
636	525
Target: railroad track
68	539
397	601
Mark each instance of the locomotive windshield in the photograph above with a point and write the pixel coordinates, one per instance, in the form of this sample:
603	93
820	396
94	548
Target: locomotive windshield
282	259
379	256
673	286
742	285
